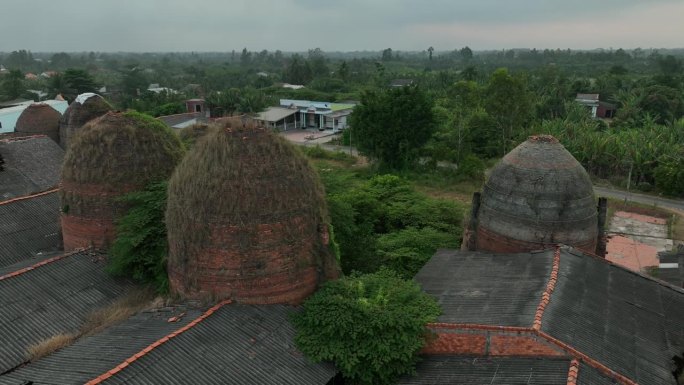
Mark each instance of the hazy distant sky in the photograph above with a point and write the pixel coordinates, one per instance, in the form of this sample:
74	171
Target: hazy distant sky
337	25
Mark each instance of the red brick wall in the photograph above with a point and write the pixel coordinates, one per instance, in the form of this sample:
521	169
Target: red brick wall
267	263
490	342
81	232
488	240
458	343
89	214
522	345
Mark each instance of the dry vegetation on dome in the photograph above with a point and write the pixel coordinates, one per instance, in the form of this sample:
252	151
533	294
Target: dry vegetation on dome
191	134
122	148
243	176
77	115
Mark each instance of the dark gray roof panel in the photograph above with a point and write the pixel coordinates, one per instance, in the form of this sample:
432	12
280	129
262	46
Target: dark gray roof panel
448	370
630	323
28	227
238	344
92	356
487	289
52	299
31	165
590	376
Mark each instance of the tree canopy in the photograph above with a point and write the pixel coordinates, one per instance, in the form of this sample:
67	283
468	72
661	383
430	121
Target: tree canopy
371	326
392	125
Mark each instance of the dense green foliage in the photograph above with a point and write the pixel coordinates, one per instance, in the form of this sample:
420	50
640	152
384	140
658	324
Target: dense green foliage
383	222
483	102
140	248
392	125
371	326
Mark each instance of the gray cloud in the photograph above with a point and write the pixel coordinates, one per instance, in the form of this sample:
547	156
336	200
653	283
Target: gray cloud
220	25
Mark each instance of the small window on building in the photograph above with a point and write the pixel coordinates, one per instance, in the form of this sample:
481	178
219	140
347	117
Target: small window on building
198	108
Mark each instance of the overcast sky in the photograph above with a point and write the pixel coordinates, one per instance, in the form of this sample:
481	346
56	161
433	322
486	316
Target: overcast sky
337	25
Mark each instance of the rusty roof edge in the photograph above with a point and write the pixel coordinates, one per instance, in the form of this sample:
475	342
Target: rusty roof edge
53	189
550	286
156	344
39	264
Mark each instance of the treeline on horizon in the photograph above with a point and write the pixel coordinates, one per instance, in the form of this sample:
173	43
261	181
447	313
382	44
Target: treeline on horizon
483	102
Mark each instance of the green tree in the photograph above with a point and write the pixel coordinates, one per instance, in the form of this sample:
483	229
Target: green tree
391	126
466	53
13	85
509	104
371	326
386	54
140	248
77	81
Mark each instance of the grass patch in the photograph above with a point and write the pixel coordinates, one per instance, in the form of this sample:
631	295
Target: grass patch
50	345
318	152
119	310
98	320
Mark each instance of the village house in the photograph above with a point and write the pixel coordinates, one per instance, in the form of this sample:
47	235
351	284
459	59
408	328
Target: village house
598	108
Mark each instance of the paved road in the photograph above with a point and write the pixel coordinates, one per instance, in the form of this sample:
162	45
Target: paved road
640	198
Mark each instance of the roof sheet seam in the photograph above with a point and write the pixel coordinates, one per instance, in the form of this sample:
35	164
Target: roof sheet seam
39	264
550	286
29	196
156	344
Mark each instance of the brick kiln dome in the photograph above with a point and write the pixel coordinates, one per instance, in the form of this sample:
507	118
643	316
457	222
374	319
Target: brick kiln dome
84	108
247	220
39	119
536	196
112	155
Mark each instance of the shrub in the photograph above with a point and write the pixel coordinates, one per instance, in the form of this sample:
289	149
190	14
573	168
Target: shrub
371	326
140	248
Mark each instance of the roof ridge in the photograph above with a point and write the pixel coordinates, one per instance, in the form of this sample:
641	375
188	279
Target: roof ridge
156	344
667	285
25	197
573	372
550	286
39	264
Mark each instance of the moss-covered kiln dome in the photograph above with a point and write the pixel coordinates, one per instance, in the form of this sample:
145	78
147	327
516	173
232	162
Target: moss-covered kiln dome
537	196
112	155
39	119
247	220
83	109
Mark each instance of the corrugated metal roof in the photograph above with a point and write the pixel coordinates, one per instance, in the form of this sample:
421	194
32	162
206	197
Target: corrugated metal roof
629	323
274	114
487	289
28	227
590	376
237	344
52	299
447	370
91	356
31	165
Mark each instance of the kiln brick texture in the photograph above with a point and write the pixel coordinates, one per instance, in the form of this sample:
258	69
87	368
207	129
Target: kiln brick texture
113	155
247	220
536	197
